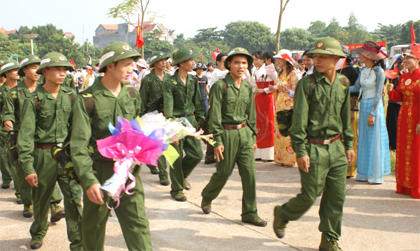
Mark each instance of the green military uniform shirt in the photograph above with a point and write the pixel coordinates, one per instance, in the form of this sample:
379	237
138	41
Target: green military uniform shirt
4	90
180	100
106	110
47	125
151	92
13	103
237	107
325	116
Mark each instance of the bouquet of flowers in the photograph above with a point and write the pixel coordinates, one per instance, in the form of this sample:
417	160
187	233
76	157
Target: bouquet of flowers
142	140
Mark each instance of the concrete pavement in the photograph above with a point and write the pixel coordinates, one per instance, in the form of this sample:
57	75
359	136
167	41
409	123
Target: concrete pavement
375	217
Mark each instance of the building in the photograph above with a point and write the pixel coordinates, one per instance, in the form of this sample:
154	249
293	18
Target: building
107	33
5	32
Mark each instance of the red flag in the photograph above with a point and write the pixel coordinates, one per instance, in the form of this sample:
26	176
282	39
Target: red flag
201	57
415	49
139	39
392	74
287	58
214	54
413	35
297	56
218	50
72	62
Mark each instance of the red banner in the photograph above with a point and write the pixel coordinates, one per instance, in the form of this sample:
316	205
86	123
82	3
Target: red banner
354	46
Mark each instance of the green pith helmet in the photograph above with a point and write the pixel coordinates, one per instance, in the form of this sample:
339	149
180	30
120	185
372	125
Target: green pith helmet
328	46
54	59
8	66
115	52
157	56
239	51
31	59
183	54
1	63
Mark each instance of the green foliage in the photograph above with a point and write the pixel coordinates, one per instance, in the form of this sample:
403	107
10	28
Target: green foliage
316	28
50	39
252	36
157	45
295	39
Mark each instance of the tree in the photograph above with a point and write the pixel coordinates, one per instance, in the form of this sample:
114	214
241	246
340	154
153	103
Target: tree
296	39
389	33
157	45
317	28
208	34
334	30
252	36
357	33
405	32
128	8
282	9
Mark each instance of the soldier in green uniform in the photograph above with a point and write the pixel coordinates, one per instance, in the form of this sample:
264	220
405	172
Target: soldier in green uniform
181	98
4	168
233	124
10	71
96	107
11	115
46	120
68	81
323	117
151	96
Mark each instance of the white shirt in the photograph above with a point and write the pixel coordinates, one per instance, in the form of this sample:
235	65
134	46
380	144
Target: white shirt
216	75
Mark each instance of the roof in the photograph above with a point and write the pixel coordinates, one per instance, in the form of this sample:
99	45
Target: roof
110	26
5	32
68	34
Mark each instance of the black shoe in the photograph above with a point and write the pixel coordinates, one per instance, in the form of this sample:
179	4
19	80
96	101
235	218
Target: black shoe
187	184
36	244
165	182
56	213
257	222
5	186
208	162
19	201
206	207
154	170
180	197
279	225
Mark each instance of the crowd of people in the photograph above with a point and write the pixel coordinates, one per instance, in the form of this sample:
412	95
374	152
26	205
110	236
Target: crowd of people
48	108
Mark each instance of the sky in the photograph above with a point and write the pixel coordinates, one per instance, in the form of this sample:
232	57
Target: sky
82	17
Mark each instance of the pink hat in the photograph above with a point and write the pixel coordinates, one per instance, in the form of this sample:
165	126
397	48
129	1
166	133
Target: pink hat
142	63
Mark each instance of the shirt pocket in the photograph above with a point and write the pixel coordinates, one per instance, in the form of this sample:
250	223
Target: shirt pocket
103	117
243	105
45	118
231	104
128	112
316	102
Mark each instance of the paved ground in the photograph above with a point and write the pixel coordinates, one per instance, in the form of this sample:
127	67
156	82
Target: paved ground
375	217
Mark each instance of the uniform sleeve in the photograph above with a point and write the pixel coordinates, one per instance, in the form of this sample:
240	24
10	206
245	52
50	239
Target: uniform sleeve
72	83
79	144
346	121
199	108
8	112
215	122
25	140
252	114
380	78
143	95
138	103
168	99
300	119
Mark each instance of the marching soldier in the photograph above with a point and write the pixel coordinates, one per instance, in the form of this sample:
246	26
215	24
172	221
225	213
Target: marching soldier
46	120
323	103
96	107
181	98
13	102
151	96
233	124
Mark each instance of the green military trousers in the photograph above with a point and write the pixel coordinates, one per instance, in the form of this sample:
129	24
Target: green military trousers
23	188
327	175
239	148
4	167
163	174
130	213
10	166
49	173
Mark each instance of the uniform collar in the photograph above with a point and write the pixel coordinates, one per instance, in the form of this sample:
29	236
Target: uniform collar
178	79
230	82
98	88
42	93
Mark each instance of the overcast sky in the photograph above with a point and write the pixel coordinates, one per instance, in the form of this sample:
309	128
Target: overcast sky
82	17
